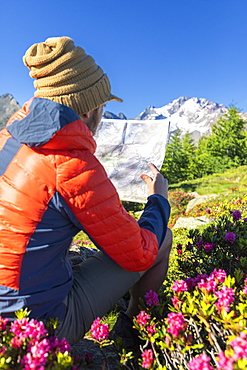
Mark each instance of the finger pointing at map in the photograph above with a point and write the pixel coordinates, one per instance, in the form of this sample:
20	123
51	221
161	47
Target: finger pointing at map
156	185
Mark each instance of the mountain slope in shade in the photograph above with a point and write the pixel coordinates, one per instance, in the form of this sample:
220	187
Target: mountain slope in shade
110	115
8	106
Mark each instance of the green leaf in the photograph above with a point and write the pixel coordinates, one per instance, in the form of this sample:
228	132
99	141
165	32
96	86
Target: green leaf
20	314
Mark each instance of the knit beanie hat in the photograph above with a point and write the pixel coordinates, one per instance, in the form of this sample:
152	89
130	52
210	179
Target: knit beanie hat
66	74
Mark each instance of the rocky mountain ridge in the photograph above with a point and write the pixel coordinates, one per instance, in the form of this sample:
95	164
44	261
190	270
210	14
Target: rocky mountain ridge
8	106
193	115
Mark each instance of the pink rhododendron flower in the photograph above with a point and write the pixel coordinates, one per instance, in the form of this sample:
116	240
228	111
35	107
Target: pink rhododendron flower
28	345
209	285
142	318
176	323
151	329
209	247
225	361
37	356
176	302
2	351
180	286
151	298
225	298
200	277
148	359
239	345
231	237
17	342
211	282
3	323
236	215
219	275
99	331
238	201
28	329
201	362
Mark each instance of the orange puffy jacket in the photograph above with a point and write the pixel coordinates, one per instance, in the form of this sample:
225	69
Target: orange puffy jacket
51	187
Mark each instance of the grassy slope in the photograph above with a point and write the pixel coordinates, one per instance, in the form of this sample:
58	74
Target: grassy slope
230	184
223	183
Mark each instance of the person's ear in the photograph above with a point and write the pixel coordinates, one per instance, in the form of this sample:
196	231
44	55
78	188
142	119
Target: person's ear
85	115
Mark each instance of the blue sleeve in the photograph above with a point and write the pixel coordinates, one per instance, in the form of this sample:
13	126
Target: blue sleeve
155	216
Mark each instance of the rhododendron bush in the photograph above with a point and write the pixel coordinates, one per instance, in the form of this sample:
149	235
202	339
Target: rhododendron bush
198	321
223	244
201	324
26	344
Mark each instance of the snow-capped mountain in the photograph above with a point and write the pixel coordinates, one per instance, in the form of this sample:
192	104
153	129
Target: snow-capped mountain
192	115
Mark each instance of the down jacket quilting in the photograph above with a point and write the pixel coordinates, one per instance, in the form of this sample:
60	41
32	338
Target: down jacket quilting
51	187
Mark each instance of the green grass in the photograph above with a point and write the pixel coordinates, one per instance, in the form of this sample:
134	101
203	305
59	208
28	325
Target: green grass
230	185
232	180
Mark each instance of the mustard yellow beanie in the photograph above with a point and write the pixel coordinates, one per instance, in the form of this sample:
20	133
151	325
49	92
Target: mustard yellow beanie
66	74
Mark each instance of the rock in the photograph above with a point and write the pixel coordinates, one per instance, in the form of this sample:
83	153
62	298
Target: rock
199	199
78	254
191	222
86	346
194	194
8	106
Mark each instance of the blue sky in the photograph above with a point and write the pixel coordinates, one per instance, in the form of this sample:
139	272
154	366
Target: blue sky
154	51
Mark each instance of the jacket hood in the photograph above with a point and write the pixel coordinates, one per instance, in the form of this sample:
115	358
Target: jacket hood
47	124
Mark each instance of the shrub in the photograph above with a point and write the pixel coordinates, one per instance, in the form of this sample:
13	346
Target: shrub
223	244
26	344
179	199
201	320
206	325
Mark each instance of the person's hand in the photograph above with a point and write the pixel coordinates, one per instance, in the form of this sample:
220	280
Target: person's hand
156	185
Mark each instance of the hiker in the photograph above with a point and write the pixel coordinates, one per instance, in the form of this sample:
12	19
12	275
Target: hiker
52	186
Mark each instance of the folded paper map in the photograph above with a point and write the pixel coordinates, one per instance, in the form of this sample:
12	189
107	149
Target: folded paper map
126	147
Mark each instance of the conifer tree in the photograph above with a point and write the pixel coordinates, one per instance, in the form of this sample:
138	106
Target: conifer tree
228	140
179	155
226	147
188	147
204	162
